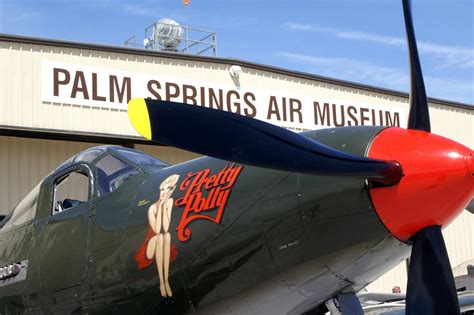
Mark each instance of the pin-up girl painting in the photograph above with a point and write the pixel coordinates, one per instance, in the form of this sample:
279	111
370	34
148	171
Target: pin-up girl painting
158	240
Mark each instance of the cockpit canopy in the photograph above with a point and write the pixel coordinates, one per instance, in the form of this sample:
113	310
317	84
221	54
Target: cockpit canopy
135	157
25	210
94	172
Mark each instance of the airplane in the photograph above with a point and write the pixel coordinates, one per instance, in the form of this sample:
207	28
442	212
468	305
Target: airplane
267	222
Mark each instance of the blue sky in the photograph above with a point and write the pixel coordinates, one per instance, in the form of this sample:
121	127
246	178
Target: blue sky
356	40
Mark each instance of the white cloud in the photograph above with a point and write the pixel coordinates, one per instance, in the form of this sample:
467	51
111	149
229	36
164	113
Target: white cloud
139	9
453	55
450	89
351	69
392	78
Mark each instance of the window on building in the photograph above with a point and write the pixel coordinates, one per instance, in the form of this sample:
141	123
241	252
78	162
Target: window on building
70	191
112	173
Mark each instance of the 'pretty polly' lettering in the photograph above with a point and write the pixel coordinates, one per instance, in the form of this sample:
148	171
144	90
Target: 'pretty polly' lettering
204	195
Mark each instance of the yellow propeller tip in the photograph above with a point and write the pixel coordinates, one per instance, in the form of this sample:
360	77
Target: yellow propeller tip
138	116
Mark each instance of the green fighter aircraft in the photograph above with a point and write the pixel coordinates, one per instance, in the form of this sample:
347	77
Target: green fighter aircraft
272	222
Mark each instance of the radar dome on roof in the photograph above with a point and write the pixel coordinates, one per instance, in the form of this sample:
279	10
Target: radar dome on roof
169	33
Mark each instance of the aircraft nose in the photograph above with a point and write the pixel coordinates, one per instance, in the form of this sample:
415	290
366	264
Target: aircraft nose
437	185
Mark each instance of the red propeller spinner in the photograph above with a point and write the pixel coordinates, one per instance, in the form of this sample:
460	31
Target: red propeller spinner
437	185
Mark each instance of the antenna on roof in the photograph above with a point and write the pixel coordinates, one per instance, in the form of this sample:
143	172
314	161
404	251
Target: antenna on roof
186	3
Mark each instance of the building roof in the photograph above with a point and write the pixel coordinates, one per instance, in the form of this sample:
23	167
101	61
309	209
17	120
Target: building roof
228	61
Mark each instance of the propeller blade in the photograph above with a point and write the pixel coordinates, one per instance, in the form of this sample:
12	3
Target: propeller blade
241	139
431	288
470	207
419	117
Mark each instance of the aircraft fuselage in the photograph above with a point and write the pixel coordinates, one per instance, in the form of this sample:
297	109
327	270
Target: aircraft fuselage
240	238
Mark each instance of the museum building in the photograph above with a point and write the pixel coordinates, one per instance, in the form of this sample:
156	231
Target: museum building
58	98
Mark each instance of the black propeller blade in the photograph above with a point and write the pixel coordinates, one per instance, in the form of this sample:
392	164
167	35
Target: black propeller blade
431	288
470	207
241	139
419	117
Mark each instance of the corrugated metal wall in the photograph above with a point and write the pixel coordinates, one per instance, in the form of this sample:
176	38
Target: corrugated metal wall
21	93
24	162
459	238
